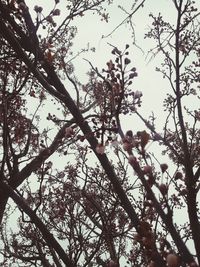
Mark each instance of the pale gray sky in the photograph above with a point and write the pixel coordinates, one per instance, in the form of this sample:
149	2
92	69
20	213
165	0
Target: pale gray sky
91	29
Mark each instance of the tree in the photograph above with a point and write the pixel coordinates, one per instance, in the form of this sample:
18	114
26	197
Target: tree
121	207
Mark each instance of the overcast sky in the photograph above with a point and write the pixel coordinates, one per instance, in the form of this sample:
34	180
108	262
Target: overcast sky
91	30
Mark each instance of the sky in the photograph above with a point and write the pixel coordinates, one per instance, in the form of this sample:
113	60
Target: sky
91	30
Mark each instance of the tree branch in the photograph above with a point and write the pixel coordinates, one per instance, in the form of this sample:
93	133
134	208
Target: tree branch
35	219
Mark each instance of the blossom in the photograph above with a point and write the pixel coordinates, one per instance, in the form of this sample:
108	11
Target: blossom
69	132
172	260
110	65
152	264
137	94
178	175
115	143
111	263
147	169
127	146
100	149
163	189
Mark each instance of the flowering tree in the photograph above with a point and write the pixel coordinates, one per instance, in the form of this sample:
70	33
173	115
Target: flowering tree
120	209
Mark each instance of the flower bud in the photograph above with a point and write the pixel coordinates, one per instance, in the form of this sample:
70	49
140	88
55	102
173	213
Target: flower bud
137	94
163	189
147	169
178	175
100	149
127	61
163	167
111	263
173	260
69	132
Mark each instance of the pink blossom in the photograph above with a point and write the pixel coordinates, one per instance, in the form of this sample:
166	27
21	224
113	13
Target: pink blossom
112	264
137	94
100	149
69	132
172	260
147	169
